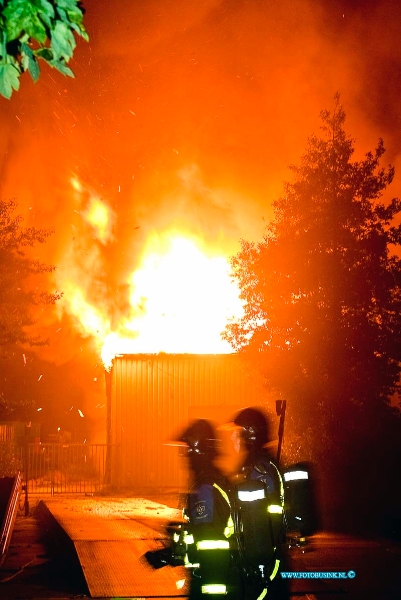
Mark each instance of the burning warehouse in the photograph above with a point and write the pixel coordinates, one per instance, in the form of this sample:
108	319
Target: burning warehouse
151	397
166	362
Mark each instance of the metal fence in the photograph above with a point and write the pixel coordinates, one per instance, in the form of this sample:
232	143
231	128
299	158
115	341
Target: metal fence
56	468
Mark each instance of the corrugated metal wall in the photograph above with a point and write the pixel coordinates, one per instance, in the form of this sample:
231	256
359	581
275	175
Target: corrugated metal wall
153	397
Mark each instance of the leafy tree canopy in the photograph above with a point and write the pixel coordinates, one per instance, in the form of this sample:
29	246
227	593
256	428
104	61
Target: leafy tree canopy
322	289
18	296
33	29
322	320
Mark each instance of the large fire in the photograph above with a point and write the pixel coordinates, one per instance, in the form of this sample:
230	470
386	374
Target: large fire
181	294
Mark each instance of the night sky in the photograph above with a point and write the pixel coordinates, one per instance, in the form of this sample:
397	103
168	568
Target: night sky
183	114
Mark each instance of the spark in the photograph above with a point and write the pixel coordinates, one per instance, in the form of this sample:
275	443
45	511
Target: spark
81	414
40	377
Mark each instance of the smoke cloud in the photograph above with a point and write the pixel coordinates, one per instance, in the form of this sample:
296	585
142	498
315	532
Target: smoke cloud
187	115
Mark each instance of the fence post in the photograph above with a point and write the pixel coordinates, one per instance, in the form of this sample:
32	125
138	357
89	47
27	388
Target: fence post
26	467
52	469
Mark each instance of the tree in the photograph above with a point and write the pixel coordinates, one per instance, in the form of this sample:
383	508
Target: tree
33	29
322	294
18	295
322	290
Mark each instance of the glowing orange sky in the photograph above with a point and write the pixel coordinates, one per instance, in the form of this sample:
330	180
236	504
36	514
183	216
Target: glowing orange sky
233	88
187	115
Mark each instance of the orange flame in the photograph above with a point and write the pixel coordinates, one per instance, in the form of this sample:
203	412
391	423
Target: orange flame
181	297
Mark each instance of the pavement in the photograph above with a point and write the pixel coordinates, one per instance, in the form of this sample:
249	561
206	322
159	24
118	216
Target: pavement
92	547
83	546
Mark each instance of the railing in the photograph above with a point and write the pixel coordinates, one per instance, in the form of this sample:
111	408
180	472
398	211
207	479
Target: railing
54	468
9	492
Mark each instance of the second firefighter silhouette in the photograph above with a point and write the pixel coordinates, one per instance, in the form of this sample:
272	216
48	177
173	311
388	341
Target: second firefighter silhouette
209	510
232	531
260	497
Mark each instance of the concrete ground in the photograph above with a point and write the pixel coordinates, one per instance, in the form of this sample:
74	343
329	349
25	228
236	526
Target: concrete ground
40	562
108	534
92	547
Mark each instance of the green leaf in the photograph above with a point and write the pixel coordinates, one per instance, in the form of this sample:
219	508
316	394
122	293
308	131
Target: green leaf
46	11
44	53
62	15
30	62
70	12
62	67
69	5
22	16
80	31
9	79
24	61
83	34
62	41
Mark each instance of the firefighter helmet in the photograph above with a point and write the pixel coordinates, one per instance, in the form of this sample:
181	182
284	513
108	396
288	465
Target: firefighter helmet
254	428
200	439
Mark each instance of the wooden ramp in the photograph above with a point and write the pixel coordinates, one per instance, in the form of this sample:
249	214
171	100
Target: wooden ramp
110	543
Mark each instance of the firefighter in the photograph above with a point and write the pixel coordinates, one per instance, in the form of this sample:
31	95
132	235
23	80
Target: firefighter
260	494
210	518
205	543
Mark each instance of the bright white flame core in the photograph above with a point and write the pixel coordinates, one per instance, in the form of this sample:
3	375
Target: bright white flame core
181	300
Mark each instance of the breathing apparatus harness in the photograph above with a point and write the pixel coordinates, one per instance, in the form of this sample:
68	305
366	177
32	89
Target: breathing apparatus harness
253	518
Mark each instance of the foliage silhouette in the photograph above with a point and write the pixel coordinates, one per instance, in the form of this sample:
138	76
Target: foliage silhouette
19	295
322	316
